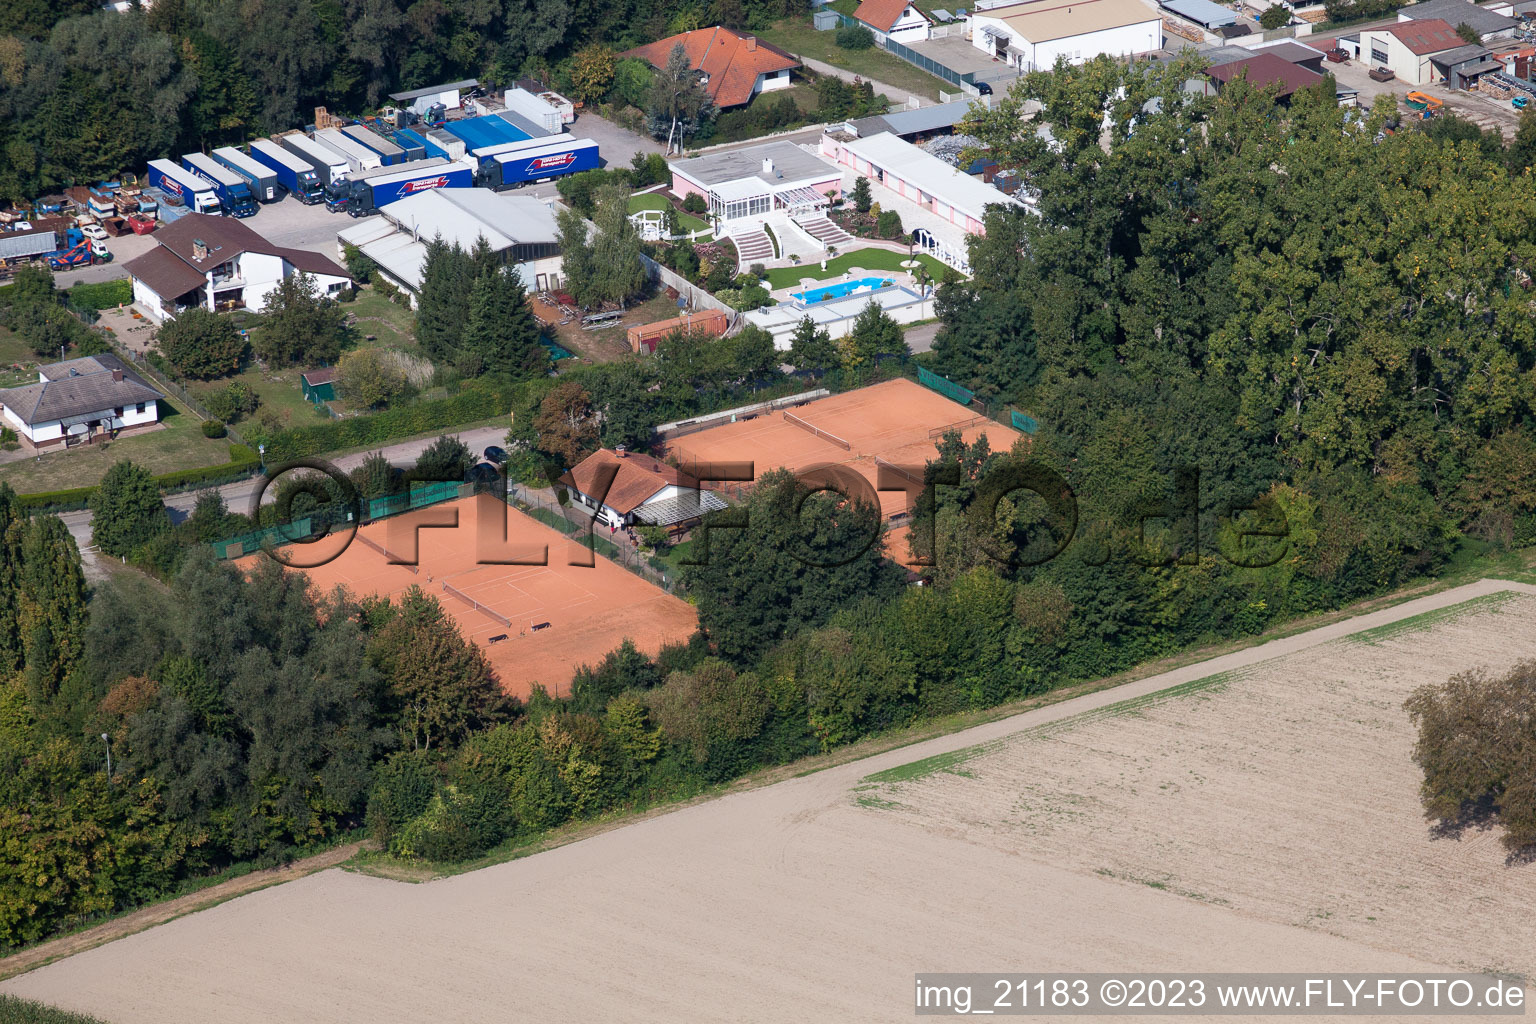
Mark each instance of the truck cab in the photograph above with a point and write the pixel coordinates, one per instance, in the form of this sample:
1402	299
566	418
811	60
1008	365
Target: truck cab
338	194
242	202
310	189
207	202
99	251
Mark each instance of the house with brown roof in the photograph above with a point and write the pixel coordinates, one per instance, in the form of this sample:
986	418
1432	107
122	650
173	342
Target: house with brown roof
1407	47
219	263
732	67
79	401
623	488
893	19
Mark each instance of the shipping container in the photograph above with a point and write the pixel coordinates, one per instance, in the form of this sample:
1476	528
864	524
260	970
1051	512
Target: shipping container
451	146
416	147
258	176
195	193
234	192
541	113
327	163
295	175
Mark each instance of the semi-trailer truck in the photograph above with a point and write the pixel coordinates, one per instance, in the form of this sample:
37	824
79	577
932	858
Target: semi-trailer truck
258	176
358	156
234	194
367	192
555	159
327	163
195	192
388	152
294	174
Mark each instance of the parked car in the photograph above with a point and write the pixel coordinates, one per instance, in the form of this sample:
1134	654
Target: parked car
95	231
496	455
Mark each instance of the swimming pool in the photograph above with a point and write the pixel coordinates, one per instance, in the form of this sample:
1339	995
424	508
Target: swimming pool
841	290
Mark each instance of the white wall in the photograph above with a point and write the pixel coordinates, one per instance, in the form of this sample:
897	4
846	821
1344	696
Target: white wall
1121	41
53	430
772	82
146	297
1409	66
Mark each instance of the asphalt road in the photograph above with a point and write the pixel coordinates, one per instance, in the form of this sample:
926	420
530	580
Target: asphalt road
239	495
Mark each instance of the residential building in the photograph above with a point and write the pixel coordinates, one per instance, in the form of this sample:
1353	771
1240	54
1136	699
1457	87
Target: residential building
1407	46
746	188
79	401
732	67
219	263
918	177
893	19
630	488
1033	35
521	229
1265	70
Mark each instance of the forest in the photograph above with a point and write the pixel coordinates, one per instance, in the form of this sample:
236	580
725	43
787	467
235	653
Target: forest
87	93
1282	359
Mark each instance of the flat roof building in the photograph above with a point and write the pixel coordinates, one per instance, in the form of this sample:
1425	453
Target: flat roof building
1032	36
752	183
918	177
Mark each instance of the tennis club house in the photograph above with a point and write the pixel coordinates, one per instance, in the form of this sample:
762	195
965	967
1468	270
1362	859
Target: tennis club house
521	229
1032	36
219	263
630	488
79	401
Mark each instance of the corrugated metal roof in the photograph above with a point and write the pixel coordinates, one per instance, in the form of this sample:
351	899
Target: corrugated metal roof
27	243
431	90
1201	12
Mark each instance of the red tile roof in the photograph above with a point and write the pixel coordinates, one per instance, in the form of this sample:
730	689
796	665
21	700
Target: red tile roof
1428	36
732	61
638	477
1265	70
881	14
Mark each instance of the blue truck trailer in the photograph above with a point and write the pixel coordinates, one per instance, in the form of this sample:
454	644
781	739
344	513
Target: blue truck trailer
234	193
519	167
258	176
195	192
365	193
416	147
294	174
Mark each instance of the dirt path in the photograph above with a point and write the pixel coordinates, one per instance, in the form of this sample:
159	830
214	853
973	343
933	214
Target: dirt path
159	913
790	901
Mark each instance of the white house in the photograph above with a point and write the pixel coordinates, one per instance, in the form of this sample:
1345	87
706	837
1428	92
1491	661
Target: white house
1031	36
79	401
1407	47
893	19
918	177
625	488
219	263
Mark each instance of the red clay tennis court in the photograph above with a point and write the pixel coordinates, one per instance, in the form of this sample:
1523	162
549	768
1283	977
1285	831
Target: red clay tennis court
897	421
589	610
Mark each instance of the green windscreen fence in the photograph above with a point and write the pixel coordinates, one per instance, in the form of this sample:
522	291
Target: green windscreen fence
420	496
1023	422
949	389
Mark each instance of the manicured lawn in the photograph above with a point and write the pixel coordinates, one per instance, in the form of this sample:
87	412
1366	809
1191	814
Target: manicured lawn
658	201
799	36
867	259
180	445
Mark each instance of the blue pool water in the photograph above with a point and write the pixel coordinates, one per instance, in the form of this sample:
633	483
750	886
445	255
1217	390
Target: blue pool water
556	351
822	292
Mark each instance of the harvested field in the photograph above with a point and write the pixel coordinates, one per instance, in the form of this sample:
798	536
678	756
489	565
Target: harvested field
897	421
590	604
1285	791
809	900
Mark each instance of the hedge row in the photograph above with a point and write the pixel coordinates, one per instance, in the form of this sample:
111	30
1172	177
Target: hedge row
477	400
242	463
101	295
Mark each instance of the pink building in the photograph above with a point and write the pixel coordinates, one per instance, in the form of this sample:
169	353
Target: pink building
750	185
918	177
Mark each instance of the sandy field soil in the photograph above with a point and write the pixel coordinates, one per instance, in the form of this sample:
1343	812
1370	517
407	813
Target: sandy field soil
808	901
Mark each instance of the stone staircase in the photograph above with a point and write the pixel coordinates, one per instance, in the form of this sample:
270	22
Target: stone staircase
753	247
825	231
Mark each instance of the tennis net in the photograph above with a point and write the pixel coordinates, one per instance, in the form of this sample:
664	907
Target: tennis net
824	435
381	549
476	605
957	425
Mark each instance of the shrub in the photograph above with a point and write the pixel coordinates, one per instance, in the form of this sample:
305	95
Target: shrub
694	203
214	428
888	224
102	295
758	271
403	788
855	37
860	195
1276	16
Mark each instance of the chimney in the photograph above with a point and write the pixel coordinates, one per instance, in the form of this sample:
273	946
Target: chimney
117	376
620	451
768	165
199	249
751	43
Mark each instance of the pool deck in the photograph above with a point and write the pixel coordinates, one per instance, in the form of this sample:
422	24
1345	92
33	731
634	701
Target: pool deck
817	285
